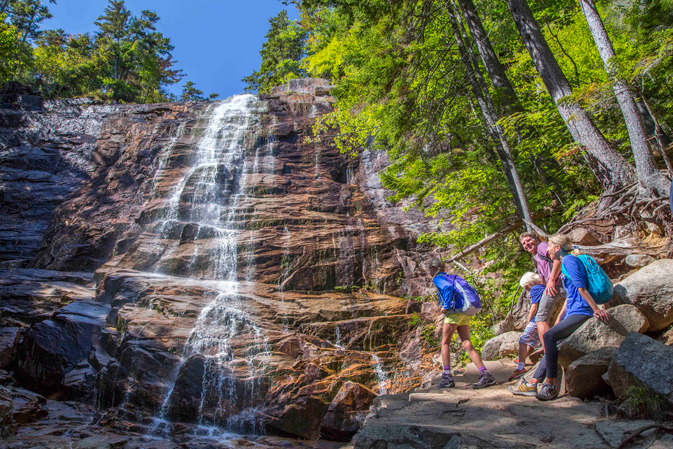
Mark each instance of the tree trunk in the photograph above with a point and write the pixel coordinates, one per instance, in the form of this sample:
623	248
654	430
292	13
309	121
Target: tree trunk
494	69
490	116
498	76
611	169
648	174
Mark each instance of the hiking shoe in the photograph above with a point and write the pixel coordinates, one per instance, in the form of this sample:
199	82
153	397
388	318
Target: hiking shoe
486	379
547	393
447	381
518	373
523	389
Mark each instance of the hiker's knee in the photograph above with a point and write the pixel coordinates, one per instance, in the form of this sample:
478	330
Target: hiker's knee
467	345
549	338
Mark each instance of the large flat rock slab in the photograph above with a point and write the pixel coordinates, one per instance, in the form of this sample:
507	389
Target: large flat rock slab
488	418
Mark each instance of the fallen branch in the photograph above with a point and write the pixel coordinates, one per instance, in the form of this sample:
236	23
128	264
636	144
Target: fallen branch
637	432
487	240
537	230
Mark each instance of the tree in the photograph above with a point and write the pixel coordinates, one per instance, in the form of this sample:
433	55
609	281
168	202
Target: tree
648	174
490	117
26	16
191	93
281	53
612	170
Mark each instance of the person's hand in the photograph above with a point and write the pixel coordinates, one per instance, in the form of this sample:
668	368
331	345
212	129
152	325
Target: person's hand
551	288
601	314
445	311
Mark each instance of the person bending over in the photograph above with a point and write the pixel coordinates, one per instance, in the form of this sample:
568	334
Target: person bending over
456	322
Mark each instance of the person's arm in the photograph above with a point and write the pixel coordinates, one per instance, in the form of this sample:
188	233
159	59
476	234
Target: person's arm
562	314
551	283
533	312
598	313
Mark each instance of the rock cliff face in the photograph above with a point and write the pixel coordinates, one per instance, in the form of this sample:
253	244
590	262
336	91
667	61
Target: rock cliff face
243	277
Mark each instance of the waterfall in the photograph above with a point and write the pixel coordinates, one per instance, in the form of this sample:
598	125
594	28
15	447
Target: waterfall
209	202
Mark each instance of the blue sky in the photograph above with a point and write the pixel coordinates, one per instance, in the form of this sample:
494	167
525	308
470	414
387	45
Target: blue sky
217	42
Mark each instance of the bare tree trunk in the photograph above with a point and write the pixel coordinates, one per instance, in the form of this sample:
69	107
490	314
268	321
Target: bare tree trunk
498	76
611	169
648	174
490	116
495	70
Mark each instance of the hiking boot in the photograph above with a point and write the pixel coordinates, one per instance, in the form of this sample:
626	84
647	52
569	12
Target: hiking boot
447	381
547	393
523	389
486	379
518	373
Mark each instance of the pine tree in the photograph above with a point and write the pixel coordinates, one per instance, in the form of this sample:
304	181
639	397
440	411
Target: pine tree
281	53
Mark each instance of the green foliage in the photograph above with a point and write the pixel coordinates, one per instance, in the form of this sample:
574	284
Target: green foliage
641	403
281	55
127	59
191	93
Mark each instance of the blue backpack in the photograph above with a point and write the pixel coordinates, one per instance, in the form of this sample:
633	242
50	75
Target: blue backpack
600	286
456	295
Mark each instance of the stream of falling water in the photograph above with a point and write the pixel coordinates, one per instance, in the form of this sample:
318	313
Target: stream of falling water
209	198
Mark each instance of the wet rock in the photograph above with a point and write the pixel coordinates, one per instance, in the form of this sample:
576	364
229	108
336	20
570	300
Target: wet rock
301	419
595	334
642	361
9	341
346	411
584	377
504	345
53	348
6	406
651	291
27	406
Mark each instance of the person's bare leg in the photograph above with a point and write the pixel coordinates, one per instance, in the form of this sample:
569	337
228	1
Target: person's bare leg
542	328
447	333
464	334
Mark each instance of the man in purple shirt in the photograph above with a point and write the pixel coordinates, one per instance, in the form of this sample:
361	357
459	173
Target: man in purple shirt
550	274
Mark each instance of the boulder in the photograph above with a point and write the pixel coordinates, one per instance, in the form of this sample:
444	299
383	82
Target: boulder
638	260
302	418
348	408
504	345
584	377
642	361
583	236
9	341
53	348
27	406
651	290
595	334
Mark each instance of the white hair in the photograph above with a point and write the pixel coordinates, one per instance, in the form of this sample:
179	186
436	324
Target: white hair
529	277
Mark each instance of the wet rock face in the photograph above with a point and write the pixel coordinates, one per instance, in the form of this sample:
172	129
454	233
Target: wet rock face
244	277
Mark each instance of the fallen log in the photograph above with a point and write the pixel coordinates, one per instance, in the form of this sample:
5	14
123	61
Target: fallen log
487	240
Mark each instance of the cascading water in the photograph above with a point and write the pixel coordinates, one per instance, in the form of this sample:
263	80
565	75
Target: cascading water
205	205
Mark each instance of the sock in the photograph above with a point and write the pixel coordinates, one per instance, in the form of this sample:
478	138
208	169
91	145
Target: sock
447	369
530	384
483	370
521	366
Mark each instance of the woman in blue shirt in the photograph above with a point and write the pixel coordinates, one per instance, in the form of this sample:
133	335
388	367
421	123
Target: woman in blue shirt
578	308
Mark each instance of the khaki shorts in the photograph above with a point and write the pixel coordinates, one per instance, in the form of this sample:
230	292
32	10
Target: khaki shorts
457	318
547	305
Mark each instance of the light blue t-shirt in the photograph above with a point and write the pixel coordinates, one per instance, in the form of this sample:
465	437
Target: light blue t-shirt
577	278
